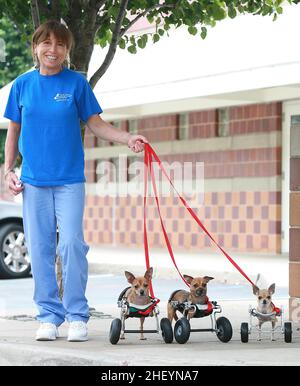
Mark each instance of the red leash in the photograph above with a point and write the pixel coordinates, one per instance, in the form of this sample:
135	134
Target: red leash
149	153
146	247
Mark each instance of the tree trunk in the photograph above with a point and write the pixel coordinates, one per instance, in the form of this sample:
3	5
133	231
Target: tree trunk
35	13
83	27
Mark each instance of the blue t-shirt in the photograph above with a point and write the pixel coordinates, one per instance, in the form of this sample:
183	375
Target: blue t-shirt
49	109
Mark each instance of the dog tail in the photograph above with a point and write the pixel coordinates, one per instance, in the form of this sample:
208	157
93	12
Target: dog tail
257	278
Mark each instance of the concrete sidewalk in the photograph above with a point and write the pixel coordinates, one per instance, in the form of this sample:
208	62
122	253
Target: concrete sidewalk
271	268
18	347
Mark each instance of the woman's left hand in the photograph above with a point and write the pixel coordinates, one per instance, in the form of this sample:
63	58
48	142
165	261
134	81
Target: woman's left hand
136	143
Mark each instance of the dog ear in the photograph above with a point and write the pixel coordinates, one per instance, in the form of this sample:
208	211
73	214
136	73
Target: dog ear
208	278
188	278
148	274
272	288
129	276
255	289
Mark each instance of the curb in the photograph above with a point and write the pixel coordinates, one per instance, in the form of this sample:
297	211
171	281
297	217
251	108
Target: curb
12	354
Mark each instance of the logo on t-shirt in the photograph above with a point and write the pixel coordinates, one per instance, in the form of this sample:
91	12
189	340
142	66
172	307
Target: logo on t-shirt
62	97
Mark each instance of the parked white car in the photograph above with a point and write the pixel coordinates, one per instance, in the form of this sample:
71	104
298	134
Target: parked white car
14	259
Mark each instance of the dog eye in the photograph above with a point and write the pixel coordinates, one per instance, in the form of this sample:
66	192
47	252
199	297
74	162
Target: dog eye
195	285
268	297
259	298
145	285
204	285
136	286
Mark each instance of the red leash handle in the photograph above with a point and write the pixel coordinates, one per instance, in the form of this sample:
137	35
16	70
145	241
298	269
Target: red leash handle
149	153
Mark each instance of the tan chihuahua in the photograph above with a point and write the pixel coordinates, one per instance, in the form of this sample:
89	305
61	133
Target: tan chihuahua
138	293
197	295
265	306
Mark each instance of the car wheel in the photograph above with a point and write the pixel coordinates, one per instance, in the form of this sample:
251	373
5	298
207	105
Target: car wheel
14	259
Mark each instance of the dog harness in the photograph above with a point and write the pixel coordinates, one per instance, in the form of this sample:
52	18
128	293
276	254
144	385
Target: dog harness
201	310
276	309
137	310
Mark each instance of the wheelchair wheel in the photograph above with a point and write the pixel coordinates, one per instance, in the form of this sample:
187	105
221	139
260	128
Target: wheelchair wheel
166	329
288	332
224	329
115	331
244	332
182	330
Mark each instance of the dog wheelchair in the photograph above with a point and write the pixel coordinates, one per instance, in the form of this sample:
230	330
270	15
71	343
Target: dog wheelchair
129	310
182	329
284	327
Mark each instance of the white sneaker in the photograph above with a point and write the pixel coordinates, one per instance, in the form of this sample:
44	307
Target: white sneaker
47	331
77	332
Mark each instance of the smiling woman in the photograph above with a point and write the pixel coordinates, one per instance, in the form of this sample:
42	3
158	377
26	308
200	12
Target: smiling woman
45	107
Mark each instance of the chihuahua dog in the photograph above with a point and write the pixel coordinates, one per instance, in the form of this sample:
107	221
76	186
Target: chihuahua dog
138	293
265	306
197	295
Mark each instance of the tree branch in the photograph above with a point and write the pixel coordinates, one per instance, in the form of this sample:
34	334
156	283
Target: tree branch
35	13
97	4
113	45
43	9
100	19
55	9
92	16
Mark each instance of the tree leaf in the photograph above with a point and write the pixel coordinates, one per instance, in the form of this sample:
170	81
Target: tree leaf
232	12
193	30
156	38
132	49
141	43
122	44
203	32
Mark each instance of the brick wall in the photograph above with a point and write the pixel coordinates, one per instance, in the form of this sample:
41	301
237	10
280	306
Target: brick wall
158	129
203	124
255	118
235	163
240	220
243	221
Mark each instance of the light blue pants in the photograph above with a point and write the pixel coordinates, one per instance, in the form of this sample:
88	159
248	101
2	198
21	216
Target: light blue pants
45	209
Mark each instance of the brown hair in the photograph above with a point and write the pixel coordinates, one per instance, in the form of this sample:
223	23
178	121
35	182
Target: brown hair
60	31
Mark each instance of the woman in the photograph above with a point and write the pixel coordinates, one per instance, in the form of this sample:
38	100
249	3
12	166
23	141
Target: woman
45	107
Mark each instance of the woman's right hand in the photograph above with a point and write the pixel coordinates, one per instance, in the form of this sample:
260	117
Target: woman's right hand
13	183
